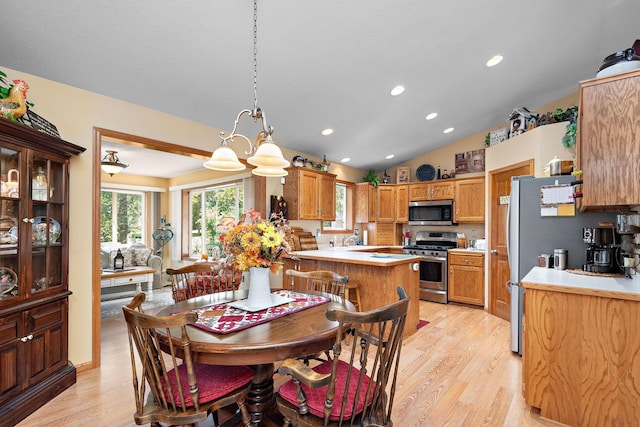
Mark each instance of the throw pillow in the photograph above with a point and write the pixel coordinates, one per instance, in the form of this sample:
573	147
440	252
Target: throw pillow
141	256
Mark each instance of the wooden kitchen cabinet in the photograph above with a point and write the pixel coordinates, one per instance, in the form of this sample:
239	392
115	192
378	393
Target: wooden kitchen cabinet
365	204
608	141
580	357
34	265
386	203
310	194
439	190
383	233
402	203
469	200
466	277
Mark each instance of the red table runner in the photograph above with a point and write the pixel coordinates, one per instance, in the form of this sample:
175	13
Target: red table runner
223	319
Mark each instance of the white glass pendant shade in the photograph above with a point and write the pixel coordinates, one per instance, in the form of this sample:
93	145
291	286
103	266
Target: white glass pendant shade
269	171
268	155
224	159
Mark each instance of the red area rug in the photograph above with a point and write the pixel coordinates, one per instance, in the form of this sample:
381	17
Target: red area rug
422	323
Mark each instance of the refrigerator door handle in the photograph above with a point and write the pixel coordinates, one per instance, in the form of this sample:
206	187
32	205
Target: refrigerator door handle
508	231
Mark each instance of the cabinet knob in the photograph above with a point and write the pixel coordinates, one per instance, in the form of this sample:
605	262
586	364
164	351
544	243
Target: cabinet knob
27	338
494	251
25	220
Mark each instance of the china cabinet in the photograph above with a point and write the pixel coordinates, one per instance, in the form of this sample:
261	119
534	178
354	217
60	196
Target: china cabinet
468	197
34	264
310	194
608	142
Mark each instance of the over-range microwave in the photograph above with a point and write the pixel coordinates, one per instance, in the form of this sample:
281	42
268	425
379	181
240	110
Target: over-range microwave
437	212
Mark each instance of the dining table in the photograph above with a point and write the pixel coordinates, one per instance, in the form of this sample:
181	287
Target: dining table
298	334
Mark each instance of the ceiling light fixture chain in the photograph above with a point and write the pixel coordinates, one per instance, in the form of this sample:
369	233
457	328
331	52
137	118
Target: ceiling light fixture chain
255	55
265	154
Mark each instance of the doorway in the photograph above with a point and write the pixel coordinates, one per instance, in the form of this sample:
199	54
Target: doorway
100	136
499	191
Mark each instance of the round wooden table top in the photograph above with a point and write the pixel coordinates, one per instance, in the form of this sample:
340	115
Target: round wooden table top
294	335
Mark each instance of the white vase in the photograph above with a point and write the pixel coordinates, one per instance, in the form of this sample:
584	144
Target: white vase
259	290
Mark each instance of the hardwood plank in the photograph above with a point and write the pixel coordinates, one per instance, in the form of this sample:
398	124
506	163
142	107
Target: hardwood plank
457	371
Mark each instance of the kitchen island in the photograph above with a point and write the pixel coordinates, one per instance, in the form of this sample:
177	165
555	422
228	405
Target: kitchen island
377	275
581	356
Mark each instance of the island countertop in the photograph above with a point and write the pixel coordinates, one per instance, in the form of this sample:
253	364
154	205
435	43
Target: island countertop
357	256
568	282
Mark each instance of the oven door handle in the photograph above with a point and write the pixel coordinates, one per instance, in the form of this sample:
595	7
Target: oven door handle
434	258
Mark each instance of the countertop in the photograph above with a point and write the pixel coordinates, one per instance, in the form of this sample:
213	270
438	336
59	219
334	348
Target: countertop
358	255
565	281
468	250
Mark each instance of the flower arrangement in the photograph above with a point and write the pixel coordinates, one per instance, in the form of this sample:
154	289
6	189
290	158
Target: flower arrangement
255	242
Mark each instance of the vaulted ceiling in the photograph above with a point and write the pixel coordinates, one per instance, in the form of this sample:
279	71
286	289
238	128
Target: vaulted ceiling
324	64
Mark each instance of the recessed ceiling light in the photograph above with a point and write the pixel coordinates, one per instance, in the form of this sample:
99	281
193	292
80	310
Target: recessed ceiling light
390	156
397	90
447	130
431	116
345	160
494	61
327	131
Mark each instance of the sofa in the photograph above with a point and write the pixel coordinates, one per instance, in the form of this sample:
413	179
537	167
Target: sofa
136	254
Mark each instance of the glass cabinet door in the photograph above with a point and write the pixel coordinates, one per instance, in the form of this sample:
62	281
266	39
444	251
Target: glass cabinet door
47	216
10	222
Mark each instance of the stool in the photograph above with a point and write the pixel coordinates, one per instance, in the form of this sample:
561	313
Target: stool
352	286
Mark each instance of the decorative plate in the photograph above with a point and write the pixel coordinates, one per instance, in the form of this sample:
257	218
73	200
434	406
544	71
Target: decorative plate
425	172
39	235
8	279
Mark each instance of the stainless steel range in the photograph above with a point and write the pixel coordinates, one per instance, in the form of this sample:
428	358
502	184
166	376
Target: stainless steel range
432	246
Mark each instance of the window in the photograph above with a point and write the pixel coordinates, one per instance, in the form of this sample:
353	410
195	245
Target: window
344	211
122	216
207	208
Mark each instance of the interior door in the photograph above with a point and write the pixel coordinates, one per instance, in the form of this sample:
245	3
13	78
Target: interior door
499	297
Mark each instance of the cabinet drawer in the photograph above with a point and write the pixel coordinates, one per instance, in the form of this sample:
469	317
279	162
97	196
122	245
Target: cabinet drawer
9	329
46	316
472	260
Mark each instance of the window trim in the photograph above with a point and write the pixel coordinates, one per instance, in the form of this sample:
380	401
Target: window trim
350	214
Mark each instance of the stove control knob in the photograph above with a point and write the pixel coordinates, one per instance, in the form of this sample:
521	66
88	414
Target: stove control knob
416	266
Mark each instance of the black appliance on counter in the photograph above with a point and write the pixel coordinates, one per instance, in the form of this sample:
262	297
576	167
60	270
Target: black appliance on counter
432	246
602	252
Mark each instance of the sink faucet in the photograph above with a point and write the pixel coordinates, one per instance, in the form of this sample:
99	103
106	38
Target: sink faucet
350	240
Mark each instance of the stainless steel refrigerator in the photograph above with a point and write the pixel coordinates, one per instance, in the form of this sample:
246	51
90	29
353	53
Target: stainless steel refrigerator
529	234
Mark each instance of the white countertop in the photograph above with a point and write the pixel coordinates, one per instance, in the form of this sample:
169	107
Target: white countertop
358	255
563	280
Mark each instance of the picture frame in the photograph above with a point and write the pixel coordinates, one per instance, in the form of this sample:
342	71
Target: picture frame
402	175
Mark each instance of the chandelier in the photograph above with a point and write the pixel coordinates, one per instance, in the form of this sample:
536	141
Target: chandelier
111	164
265	154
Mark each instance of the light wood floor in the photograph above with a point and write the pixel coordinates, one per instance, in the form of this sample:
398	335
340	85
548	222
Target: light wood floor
457	371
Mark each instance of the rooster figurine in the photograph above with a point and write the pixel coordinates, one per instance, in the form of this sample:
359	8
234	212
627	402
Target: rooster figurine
14	105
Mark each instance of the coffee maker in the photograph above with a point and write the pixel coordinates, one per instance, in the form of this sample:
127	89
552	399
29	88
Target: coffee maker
602	252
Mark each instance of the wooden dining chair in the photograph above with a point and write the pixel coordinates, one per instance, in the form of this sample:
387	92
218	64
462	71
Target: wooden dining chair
358	386
179	391
202	278
317	281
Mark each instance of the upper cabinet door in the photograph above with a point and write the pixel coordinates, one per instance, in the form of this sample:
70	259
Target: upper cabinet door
609	141
469	200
